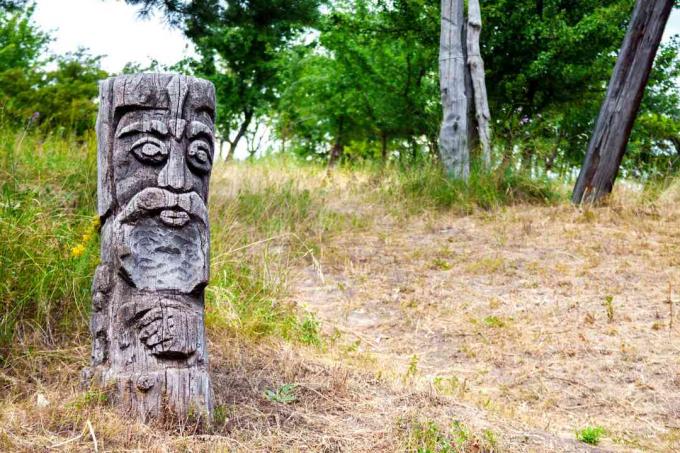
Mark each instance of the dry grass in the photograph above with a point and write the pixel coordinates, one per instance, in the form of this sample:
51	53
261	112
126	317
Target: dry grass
503	330
554	317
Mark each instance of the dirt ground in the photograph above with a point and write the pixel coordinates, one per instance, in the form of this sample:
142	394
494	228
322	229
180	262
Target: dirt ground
551	318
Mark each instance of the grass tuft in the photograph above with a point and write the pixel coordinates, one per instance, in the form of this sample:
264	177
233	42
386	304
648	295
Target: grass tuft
426	187
590	435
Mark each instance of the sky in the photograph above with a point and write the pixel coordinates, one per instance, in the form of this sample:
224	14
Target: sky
113	28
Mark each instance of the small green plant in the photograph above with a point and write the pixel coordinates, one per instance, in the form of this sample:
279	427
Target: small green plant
412	367
428	437
220	415
495	322
609	306
445	385
490	437
284	394
590	435
441	264
89	398
309	331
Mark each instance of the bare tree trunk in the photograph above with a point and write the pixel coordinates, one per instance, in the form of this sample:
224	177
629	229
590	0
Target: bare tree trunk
339	146
476	65
624	95
550	161
336	153
453	133
247	118
473	130
383	147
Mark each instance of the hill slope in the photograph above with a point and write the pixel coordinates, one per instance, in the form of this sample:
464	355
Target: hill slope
349	312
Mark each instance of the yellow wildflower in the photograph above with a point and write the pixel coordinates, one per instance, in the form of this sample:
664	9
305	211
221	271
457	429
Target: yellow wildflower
77	250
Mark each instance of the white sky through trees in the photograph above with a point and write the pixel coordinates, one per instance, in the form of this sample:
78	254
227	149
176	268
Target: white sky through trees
113	28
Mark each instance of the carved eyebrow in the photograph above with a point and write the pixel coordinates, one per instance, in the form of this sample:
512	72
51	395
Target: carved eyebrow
196	128
144	126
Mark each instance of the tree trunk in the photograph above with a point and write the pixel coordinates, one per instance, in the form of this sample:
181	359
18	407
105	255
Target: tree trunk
453	133
147	317
383	147
336	153
247	118
473	130
476	65
624	95
550	161
339	146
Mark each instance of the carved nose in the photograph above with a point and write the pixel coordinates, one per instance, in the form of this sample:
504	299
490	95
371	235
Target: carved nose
173	175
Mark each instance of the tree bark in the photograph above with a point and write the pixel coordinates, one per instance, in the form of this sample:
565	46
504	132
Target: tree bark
473	130
338	146
453	147
336	153
624	95
247	118
383	147
155	149
476	65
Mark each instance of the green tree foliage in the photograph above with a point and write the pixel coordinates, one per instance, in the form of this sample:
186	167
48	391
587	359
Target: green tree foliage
368	79
53	91
12	5
363	83
21	51
238	42
371	78
548	65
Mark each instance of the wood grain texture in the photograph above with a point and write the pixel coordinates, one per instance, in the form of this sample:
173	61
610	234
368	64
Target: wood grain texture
155	152
622	102
476	69
453	146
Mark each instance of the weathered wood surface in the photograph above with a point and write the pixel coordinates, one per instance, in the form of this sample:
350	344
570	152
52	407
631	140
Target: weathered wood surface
155	153
453	146
624	95
476	69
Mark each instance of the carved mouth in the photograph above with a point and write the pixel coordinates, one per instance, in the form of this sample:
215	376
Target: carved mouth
174	218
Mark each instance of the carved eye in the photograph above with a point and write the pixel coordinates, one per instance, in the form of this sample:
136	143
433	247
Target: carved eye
199	156
150	150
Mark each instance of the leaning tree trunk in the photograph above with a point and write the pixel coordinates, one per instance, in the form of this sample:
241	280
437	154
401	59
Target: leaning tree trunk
624	95
453	147
156	147
476	66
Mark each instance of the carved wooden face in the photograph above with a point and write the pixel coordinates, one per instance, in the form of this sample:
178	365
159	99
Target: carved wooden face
169	148
159	144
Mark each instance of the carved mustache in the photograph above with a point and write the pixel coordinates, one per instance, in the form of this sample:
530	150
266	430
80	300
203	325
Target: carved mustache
175	208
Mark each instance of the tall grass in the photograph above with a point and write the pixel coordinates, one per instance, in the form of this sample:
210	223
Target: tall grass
426	187
266	217
47	245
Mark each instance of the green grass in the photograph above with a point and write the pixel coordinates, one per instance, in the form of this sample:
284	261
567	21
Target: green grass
429	437
48	243
590	434
49	248
278	217
283	395
426	187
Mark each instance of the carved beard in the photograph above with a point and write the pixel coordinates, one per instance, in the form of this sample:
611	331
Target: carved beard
164	238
